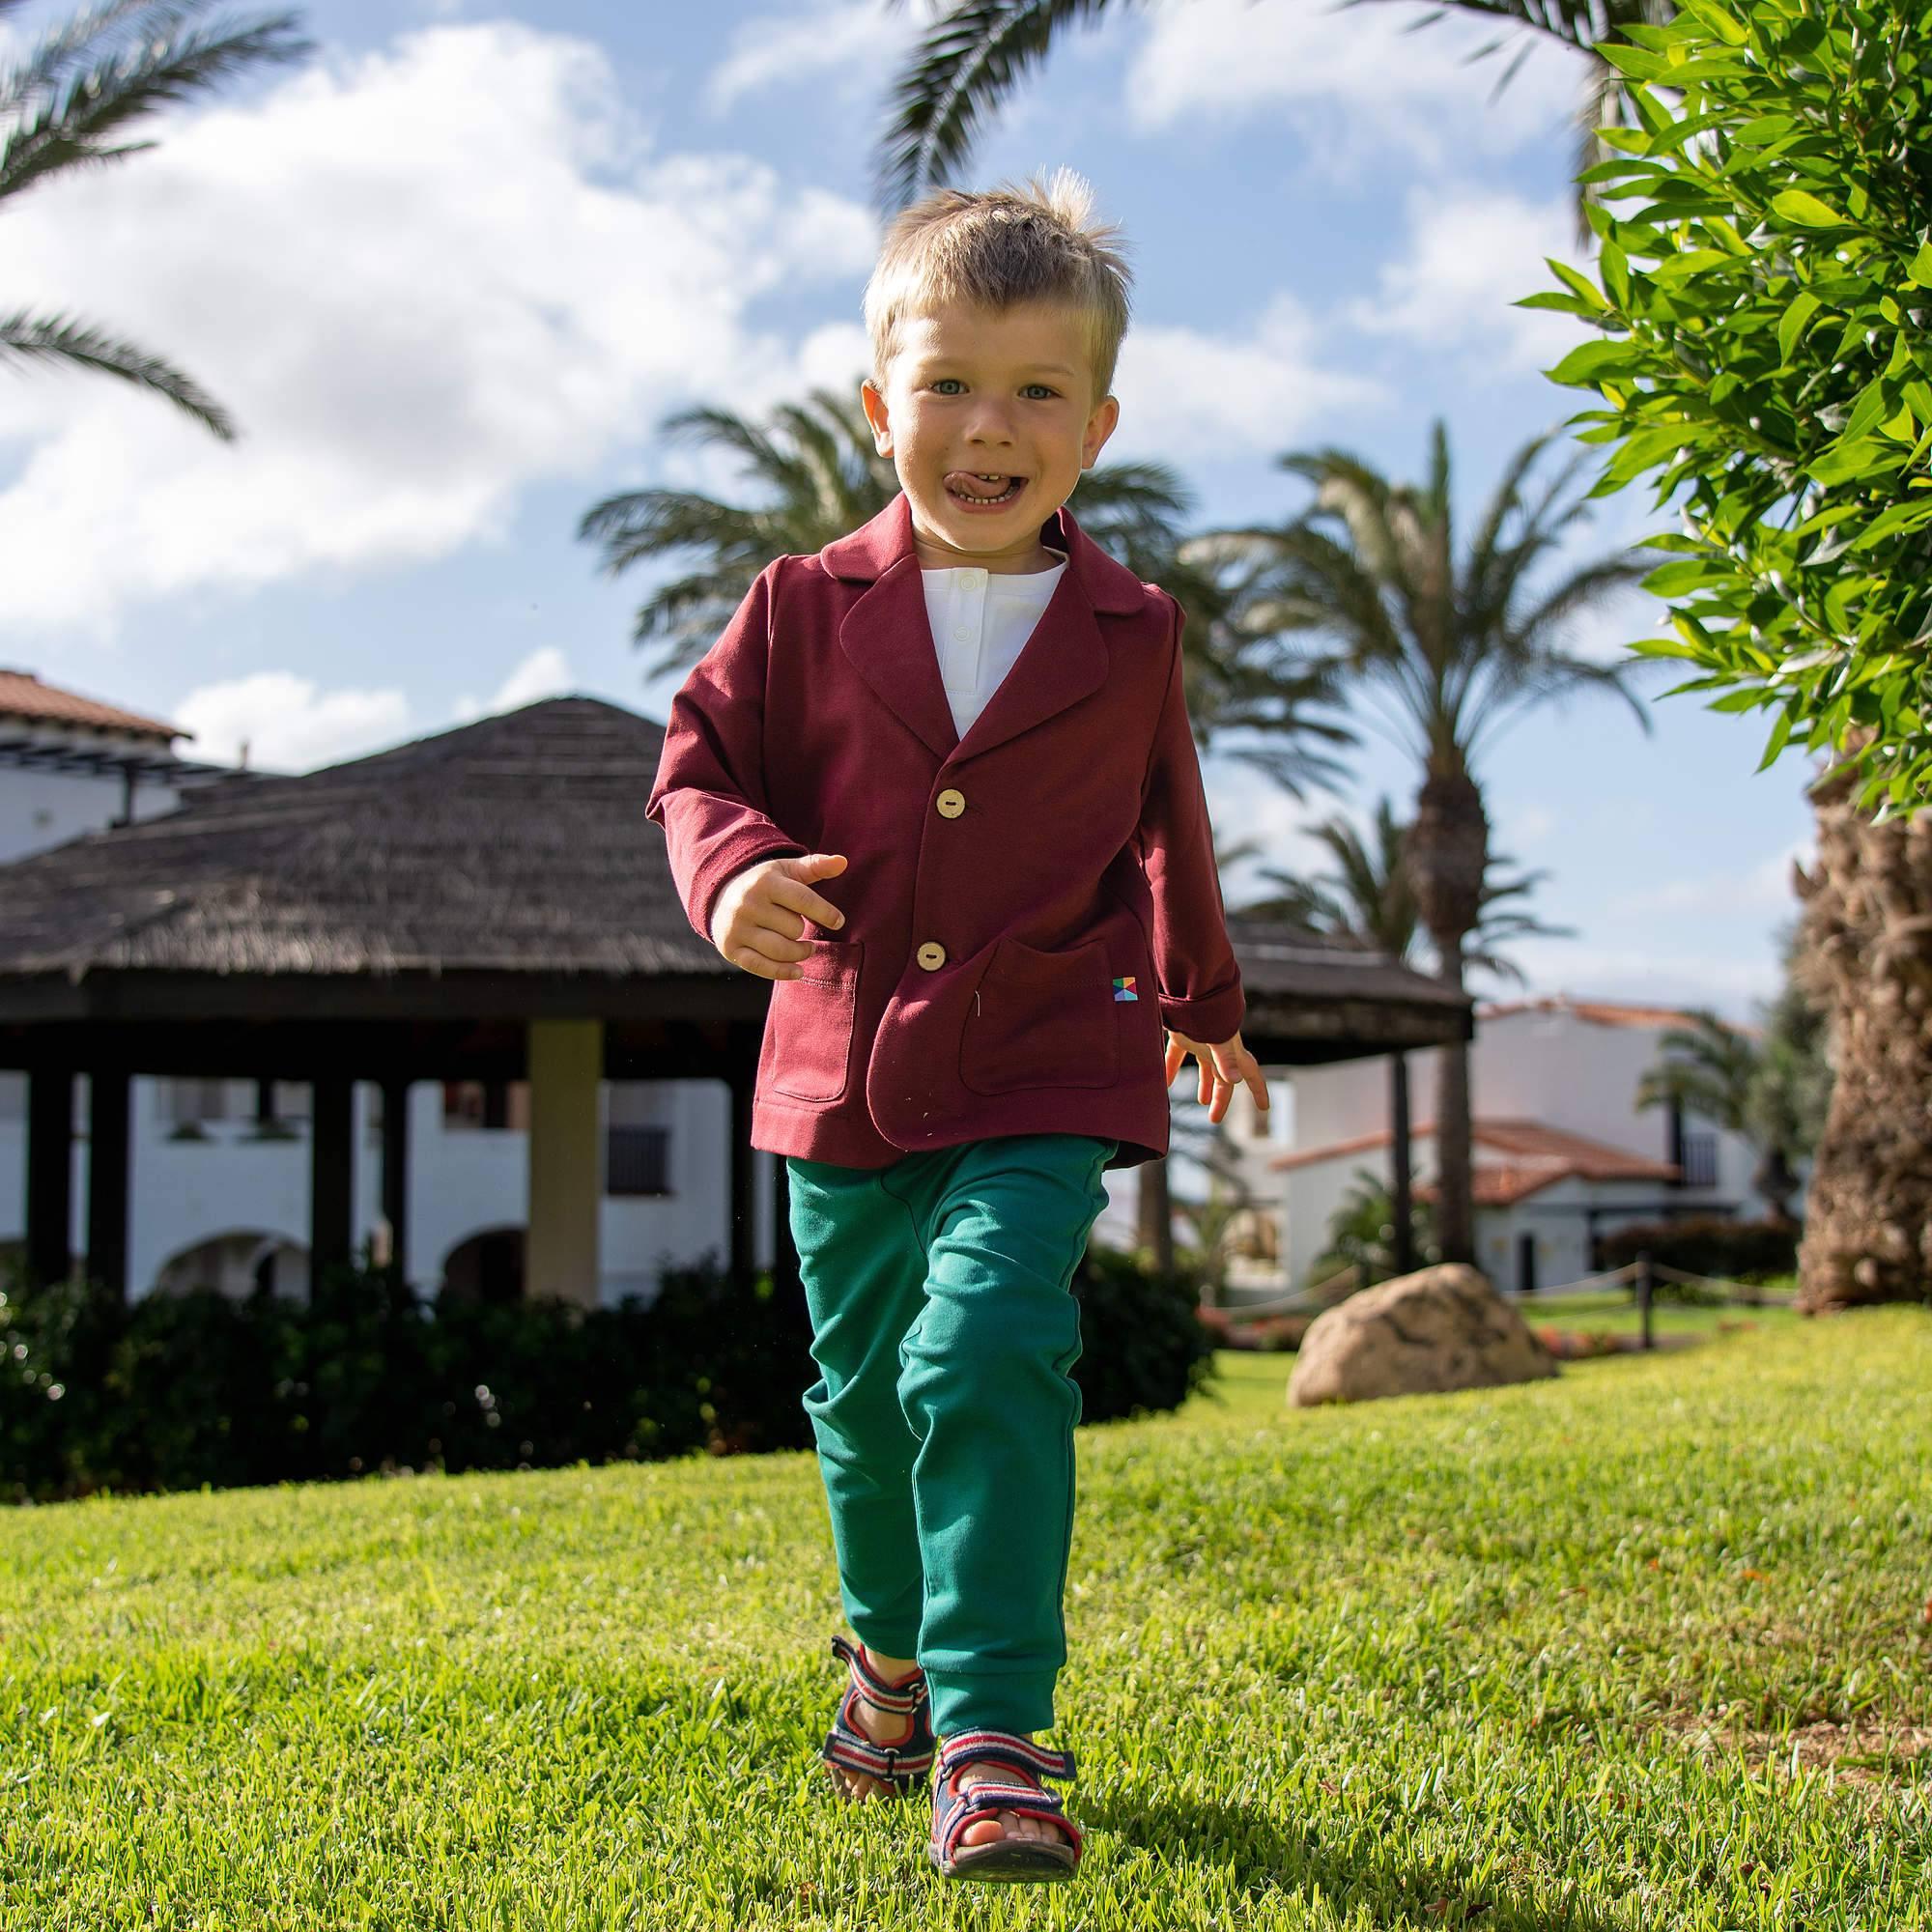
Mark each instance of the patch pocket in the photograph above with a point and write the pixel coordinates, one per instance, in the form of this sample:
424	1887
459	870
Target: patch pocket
1041	1019
809	1024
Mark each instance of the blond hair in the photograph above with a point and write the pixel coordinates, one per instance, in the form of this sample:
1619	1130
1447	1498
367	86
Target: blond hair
999	248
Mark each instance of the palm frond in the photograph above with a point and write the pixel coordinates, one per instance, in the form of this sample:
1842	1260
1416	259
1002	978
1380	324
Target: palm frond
60	339
970	60
70	120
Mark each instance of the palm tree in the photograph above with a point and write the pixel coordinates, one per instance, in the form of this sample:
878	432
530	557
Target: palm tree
1713	1068
973	55
819	475
1441	656
1370	899
65	109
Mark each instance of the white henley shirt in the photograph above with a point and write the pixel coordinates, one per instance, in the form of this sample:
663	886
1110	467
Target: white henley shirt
981	621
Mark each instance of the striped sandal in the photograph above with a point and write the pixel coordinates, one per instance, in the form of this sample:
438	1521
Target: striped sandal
955	1809
847	1748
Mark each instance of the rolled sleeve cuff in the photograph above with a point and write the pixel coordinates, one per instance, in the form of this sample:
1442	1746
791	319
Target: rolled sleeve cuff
722	865
1212	1018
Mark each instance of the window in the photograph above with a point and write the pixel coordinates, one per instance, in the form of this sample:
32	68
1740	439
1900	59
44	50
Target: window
637	1161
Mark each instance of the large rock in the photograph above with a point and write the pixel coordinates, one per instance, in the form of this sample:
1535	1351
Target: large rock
1442	1328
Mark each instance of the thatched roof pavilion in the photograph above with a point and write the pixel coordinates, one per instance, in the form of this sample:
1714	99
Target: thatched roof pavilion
487	903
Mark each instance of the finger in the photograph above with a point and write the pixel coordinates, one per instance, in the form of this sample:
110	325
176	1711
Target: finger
768	954
799	897
815	863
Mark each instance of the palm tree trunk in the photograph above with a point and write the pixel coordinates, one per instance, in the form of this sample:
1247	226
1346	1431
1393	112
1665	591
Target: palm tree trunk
1155	1216
1447	851
1866	956
1402	1185
1455	1174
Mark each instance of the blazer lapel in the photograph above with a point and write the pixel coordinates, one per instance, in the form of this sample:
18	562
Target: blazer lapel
887	638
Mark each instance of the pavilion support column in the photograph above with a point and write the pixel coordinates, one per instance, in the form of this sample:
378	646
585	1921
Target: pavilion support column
396	1169
107	1174
49	1174
742	1074
330	1158
561	1251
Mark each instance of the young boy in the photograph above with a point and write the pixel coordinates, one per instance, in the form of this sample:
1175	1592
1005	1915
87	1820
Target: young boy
936	781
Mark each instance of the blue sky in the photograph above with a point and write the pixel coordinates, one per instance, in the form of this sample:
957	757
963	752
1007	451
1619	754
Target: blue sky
452	274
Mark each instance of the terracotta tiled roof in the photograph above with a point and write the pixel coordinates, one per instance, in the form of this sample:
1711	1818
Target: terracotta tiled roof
1535	1157
1598	1012
23	695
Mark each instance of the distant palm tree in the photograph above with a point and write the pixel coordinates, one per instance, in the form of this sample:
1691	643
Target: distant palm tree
819	476
973	55
1370	897
63	109
1441	654
1748	1082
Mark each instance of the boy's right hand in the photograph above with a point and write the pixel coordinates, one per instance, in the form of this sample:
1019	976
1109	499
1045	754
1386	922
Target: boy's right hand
759	919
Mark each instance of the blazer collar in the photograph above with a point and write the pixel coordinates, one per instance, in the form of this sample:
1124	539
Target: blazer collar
867	553
888	637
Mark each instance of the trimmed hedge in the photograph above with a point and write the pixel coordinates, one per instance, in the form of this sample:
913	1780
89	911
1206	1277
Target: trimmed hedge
173	1392
1746	1251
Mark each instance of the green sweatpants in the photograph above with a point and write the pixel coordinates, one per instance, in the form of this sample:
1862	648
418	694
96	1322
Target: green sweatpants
944	1328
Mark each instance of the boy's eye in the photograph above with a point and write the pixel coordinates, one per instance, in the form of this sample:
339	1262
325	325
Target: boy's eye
940	383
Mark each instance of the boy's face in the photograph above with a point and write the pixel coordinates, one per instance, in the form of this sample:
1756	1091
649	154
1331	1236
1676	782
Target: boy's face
1008	392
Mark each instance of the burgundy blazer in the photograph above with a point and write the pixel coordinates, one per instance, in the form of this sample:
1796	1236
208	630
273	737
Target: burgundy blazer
1026	908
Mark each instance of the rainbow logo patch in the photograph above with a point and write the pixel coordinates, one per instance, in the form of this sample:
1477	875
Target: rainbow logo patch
1124	989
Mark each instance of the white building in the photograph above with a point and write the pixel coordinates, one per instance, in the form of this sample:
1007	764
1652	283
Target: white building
1561	1154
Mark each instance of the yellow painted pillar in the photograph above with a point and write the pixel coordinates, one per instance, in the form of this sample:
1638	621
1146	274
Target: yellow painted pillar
566	1066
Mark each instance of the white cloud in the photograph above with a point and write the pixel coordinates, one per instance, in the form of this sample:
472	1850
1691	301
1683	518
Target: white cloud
856	41
544	673
420	281
1763	888
1642	976
1189	394
1471	255
1353	78
288	722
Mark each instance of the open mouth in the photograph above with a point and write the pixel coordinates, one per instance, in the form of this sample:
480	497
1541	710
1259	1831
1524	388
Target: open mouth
985	492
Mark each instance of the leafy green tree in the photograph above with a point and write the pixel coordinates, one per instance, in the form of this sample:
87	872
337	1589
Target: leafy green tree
977	52
1370	897
67	105
1766	309
1441	653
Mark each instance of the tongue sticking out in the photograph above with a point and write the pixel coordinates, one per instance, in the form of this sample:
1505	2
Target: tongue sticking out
970	484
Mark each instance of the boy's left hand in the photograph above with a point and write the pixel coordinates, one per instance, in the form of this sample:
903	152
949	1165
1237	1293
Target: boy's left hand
1222	1067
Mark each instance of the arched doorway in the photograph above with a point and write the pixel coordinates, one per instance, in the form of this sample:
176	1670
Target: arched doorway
485	1266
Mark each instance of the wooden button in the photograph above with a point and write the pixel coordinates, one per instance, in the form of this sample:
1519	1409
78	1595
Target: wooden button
932	956
951	803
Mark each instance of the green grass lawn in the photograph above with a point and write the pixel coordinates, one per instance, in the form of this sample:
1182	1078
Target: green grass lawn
1636	1648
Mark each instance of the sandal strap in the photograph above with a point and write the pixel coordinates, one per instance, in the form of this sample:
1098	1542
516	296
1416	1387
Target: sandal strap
1006	1747
956	1809
847	1747
902	1699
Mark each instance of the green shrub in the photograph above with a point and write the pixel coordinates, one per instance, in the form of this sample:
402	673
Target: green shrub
174	1391
1143	1349
1745	1251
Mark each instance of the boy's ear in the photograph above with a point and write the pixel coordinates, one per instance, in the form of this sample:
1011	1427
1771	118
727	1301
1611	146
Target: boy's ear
875	406
1099	427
